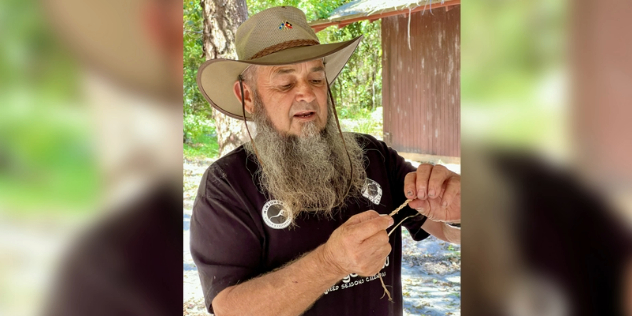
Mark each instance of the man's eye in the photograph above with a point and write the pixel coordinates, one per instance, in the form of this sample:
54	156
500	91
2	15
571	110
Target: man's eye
317	81
287	86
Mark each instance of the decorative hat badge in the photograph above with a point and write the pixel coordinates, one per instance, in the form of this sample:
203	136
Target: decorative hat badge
285	25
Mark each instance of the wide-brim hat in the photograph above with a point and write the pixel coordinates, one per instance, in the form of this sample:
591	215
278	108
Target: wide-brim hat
276	36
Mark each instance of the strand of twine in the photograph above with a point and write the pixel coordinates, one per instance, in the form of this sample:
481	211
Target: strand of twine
243	109
386	292
399	208
400	222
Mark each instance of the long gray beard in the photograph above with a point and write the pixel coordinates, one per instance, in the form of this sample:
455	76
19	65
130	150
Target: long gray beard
310	173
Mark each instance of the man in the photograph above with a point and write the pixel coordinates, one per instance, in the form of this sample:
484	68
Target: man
296	221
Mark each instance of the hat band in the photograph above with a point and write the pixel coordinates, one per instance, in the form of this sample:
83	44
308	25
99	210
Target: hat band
283	46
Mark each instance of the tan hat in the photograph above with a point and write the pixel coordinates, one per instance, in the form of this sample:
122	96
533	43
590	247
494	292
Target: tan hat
276	36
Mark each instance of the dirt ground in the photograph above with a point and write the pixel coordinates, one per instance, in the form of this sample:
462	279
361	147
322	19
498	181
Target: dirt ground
431	269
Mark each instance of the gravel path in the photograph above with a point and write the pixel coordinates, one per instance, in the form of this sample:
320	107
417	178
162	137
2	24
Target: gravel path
431	269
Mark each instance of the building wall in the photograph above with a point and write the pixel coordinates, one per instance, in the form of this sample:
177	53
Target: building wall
421	86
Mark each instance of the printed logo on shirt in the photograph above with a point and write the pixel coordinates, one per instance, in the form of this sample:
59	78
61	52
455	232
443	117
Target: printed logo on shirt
275	215
352	280
372	191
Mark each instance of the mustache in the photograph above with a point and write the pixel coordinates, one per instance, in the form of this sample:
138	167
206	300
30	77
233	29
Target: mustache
303	106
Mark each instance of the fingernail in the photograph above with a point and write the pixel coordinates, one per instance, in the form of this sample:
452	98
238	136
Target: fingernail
409	193
431	193
421	194
392	222
444	204
383	214
421	210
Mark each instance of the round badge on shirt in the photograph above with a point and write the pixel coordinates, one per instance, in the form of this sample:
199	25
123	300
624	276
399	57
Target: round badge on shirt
275	215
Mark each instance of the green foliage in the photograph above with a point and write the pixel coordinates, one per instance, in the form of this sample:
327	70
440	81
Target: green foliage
198	127
205	147
361	120
359	85
314	10
200	136
195	106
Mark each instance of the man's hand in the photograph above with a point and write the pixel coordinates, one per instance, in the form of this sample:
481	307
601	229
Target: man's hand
360	245
435	192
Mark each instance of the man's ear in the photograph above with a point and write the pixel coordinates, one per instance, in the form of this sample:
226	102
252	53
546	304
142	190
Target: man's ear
248	96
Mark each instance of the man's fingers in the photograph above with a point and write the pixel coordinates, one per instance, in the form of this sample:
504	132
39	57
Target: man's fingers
410	189
378	248
435	184
364	216
368	228
438	192
421	180
378	239
452	192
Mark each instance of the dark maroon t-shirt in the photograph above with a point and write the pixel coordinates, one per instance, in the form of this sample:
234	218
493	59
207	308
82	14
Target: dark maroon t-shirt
238	234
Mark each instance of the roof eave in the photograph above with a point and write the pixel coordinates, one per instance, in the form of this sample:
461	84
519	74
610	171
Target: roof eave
342	21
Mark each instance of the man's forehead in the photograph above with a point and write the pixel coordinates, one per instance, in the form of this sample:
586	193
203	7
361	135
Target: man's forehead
312	66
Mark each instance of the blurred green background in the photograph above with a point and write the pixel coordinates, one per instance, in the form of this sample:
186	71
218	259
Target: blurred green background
47	165
514	76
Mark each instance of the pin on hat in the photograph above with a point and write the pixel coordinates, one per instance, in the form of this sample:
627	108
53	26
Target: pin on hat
285	25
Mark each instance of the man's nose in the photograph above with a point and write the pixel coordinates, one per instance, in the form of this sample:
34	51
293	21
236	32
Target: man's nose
305	92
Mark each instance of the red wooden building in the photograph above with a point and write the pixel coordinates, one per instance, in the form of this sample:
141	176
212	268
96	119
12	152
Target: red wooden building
421	79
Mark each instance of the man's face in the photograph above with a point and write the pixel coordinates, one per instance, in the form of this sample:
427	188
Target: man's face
304	161
294	95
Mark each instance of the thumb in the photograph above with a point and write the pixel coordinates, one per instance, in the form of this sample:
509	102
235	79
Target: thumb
422	206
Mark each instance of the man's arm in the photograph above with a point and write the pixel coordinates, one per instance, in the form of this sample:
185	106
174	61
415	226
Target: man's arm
359	246
443	231
287	291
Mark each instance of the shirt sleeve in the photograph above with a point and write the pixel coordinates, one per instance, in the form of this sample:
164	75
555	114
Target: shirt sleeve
225	244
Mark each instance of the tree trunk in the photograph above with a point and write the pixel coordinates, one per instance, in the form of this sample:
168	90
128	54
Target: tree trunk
221	19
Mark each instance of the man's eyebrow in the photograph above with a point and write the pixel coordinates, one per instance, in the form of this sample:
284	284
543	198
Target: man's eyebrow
283	71
318	68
